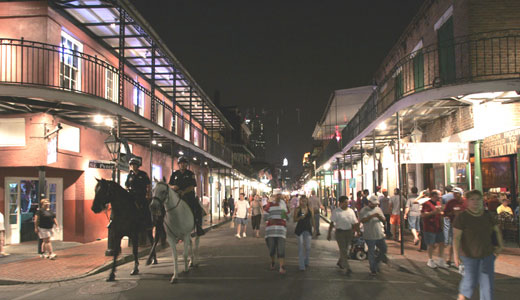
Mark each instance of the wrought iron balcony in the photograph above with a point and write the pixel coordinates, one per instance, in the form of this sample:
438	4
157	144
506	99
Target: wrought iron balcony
475	58
30	63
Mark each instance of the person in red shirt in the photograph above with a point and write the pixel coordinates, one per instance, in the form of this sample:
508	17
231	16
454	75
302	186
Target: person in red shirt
453	208
431	215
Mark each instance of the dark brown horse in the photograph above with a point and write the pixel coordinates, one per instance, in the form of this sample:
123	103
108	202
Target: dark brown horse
125	217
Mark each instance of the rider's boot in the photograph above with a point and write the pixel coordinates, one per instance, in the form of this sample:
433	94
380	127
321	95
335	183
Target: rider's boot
198	223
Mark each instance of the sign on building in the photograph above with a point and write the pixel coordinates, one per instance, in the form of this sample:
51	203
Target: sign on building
434	153
101	164
501	144
52	150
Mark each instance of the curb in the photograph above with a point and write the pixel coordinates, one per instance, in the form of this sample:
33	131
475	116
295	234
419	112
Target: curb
120	261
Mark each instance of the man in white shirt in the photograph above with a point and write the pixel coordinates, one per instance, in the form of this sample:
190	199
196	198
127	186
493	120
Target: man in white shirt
373	219
315	205
240	215
344	220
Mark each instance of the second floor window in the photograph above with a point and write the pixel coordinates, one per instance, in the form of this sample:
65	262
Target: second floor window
111	86
159	107
138	101
70	64
187	135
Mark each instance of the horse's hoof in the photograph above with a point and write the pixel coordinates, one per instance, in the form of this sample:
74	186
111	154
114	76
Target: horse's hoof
173	280
112	277
155	261
135	272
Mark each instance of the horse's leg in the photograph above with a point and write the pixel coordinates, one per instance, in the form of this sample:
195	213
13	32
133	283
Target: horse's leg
173	245
153	242
187	247
112	276
135	252
152	254
195	252
116	249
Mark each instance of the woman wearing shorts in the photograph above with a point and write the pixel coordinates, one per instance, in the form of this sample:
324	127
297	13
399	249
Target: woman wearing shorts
43	223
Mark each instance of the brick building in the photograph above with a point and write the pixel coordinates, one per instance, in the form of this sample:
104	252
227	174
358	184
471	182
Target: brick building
71	75
451	85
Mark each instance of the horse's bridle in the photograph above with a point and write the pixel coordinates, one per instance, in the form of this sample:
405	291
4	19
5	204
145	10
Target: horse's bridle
167	196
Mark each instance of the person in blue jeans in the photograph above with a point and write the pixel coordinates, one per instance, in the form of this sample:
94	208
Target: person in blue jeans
373	219
473	246
305	218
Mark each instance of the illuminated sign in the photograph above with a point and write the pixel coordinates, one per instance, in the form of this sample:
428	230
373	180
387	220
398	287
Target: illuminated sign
501	144
434	153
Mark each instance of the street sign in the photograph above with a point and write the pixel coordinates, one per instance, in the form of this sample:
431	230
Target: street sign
101	164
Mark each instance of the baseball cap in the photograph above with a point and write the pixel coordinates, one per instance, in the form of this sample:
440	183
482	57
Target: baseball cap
458	190
373	199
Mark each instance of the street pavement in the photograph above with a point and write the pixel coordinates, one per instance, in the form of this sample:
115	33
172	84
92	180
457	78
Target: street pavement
231	268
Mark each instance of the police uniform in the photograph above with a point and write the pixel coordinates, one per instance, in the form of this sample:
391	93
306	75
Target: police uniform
185	180
137	183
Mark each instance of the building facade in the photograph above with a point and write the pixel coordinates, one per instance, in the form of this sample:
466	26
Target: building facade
71	76
445	109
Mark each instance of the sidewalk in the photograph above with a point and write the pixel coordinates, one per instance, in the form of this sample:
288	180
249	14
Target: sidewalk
74	260
414	261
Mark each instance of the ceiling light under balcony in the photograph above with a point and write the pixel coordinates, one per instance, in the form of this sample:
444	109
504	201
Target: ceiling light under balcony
98	119
181	153
109	122
382	126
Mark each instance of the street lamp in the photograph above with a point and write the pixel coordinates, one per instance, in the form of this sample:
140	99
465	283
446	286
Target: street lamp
113	145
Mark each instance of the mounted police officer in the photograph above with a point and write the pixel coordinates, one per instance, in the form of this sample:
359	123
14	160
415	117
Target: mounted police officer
183	182
138	184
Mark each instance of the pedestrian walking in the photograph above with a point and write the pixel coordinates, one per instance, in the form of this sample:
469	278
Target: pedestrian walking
344	221
384	203
304	217
44	222
396	202
276	231
413	215
294	203
231	204
373	219
452	209
256	215
225	206
315	205
476	248
2	236
431	215
240	215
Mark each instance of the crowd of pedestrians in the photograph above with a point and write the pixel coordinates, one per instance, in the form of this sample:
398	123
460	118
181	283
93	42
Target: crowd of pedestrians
462	225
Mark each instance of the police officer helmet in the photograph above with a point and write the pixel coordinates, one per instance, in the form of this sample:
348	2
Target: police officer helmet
182	159
134	161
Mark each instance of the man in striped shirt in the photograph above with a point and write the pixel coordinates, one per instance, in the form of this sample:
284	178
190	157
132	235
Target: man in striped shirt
275	230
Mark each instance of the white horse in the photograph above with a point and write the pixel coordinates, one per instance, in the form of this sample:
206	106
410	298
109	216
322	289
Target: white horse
178	224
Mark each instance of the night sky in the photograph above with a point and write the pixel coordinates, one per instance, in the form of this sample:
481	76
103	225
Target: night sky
280	57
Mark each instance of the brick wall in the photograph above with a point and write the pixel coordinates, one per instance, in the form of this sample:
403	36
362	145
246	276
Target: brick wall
458	121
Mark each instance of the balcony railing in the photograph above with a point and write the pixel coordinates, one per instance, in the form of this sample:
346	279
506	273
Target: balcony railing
32	63
479	57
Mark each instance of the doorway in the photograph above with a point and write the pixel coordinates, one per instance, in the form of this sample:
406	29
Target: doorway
21	194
